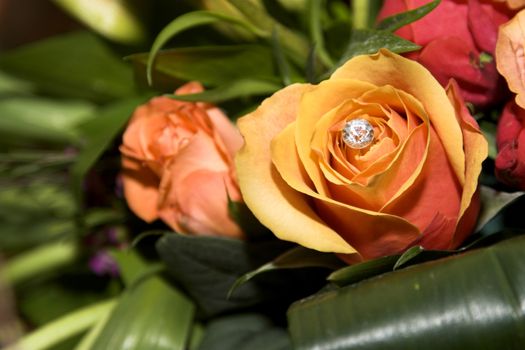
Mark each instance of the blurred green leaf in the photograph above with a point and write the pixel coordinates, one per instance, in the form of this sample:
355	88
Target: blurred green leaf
35	213
12	85
31	119
295	258
315	11
206	267
469	301
66	327
489	131
395	22
98	134
244	332
151	315
185	22
116	20
249	224
42	302
210	65
230	91
72	65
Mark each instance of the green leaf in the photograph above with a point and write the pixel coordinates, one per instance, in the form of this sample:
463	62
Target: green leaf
152	315
115	20
395	22
210	65
489	131
493	202
206	267
66	327
249	224
244	332
315	12
361	271
369	41
26	120
185	22
295	258
469	301
72	65
98	134
37	213
235	89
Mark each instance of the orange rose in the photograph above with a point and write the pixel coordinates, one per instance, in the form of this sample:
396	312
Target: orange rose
416	184
510	55
178	165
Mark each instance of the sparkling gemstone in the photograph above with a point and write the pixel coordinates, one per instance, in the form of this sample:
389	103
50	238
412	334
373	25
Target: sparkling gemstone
358	133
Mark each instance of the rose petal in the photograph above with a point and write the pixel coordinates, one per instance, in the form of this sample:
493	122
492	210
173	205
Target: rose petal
140	189
510	55
280	208
474	143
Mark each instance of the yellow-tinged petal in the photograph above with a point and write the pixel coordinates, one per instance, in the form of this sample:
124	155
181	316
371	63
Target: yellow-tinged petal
510	55
476	147
387	68
279	207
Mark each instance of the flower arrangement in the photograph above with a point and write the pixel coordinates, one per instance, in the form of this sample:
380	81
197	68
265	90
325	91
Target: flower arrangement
287	174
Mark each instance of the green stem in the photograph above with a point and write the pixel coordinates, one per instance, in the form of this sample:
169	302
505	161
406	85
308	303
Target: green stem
361	13
65	327
39	260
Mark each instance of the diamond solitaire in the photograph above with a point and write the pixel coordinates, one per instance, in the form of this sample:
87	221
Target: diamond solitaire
358	133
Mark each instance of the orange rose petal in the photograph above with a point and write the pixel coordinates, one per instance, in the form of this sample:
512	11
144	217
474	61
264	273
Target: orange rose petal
226	130
476	146
140	189
332	93
386	68
435	190
277	206
510	55
204	212
370	232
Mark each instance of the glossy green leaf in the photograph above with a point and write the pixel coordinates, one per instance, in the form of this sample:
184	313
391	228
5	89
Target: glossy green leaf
368	41
185	22
150	314
295	258
98	134
210	65
26	120
72	65
235	89
206	267
469	301
492	203
361	271
395	22
244	332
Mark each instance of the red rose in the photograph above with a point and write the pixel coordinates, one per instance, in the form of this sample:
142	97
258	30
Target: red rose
510	139
458	40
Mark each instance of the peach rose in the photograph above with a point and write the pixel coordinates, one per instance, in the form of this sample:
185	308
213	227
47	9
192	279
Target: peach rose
177	160
510	55
416	184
